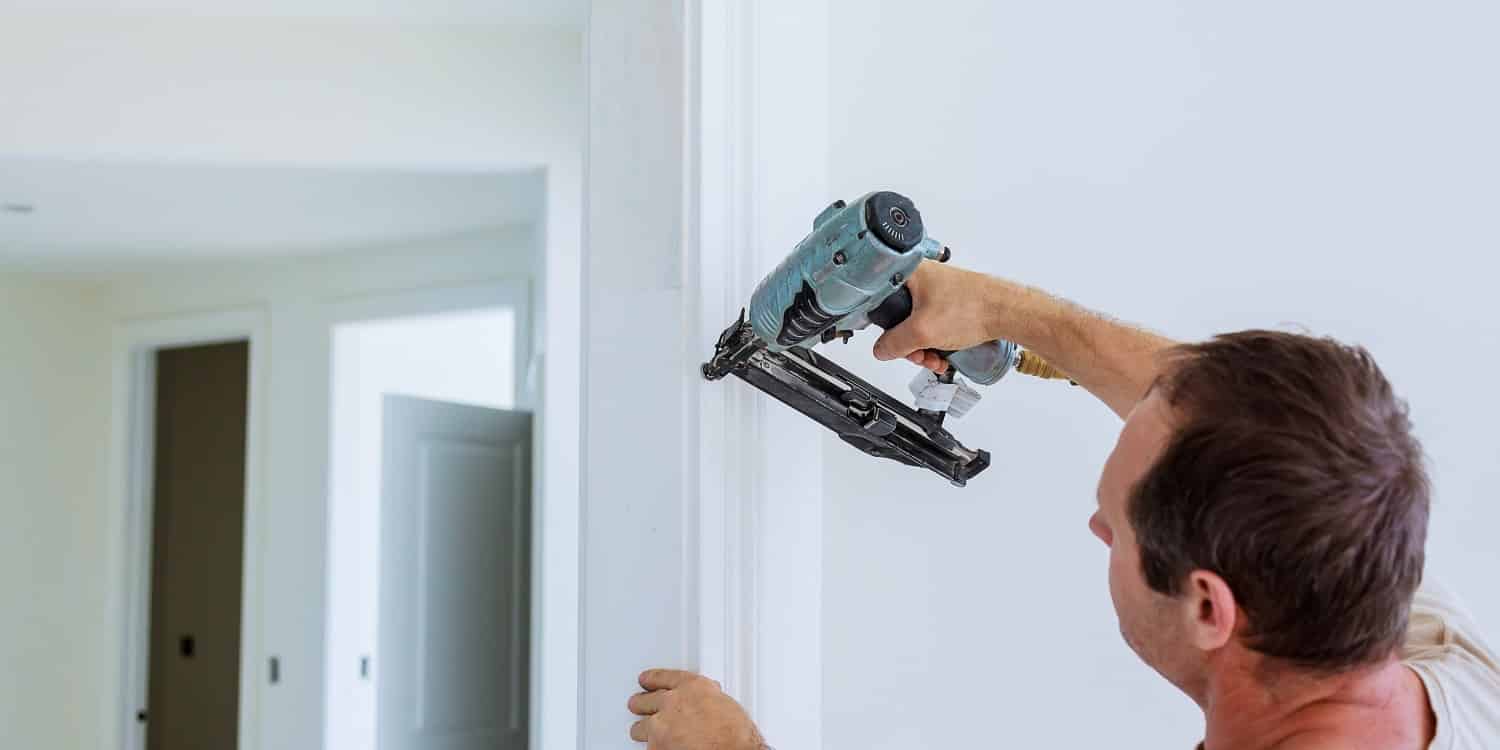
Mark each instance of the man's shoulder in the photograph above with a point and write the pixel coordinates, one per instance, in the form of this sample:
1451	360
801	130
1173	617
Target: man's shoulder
1441	630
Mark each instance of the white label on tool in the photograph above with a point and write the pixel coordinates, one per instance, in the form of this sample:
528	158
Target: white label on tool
965	399
930	394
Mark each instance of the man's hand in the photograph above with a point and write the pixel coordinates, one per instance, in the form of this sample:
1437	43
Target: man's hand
685	711
951	309
954	309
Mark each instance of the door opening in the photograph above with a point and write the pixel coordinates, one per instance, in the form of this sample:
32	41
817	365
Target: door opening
427	637
201	417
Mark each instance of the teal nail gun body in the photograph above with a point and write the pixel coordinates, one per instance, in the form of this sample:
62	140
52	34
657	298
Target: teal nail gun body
850	272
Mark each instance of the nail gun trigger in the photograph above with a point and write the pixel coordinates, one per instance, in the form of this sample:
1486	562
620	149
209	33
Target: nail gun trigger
833	333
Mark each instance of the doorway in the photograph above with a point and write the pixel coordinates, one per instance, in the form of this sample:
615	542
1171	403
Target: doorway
429	550
201	418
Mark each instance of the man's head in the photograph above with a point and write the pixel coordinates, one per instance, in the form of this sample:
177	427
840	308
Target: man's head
1267	494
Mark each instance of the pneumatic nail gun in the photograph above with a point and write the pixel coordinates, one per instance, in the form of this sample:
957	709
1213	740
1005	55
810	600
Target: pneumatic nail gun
850	272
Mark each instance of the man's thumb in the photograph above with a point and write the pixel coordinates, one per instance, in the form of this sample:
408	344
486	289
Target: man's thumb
897	342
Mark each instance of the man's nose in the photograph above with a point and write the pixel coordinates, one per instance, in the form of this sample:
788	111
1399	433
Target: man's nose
1096	525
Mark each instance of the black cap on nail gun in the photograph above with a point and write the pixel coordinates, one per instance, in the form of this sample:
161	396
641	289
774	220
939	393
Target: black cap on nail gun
894	219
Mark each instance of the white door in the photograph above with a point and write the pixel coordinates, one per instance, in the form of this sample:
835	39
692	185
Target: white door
455	491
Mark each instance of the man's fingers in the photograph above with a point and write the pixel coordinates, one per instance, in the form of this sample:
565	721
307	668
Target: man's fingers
898	342
664	679
641	730
933	361
645	704
928	359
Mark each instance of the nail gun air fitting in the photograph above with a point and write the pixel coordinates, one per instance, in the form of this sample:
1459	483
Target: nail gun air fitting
851	271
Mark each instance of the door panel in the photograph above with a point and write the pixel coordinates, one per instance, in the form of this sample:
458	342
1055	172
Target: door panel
454	556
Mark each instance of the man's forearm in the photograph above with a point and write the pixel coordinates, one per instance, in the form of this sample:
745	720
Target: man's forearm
1115	361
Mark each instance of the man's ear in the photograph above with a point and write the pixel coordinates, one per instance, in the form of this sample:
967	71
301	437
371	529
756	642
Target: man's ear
1211	610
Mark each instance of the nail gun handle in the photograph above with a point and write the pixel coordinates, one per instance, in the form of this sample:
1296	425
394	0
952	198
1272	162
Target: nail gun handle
894	311
984	363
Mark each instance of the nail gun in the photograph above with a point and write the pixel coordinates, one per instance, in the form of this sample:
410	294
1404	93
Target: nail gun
850	272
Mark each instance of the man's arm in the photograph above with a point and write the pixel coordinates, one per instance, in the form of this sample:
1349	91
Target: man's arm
951	309
954	309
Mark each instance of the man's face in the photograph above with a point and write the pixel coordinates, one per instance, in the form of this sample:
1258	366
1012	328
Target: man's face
1151	623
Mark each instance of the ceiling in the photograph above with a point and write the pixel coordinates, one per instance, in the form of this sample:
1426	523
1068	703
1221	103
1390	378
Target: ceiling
502	12
102	213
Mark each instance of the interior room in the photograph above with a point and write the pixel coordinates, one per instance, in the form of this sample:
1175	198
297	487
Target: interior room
322	195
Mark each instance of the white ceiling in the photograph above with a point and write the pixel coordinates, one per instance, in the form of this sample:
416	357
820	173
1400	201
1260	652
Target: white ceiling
549	12
86	213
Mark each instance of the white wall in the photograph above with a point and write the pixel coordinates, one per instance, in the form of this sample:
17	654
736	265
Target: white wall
636	596
1195	167
54	385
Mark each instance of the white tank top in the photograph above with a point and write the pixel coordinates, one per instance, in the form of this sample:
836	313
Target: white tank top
1461	671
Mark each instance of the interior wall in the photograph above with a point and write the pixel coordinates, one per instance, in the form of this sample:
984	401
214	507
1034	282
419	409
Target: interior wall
633	491
1194	167
53	389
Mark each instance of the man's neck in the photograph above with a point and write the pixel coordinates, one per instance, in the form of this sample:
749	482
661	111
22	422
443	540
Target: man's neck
1249	704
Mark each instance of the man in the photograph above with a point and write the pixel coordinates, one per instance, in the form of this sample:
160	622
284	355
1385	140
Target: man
1266	512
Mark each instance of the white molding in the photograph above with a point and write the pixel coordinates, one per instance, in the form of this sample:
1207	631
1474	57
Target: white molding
130	511
719	213
758	151
706	554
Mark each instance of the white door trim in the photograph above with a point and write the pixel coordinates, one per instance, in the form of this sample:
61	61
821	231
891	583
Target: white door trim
130	511
758	148
717	258
720	569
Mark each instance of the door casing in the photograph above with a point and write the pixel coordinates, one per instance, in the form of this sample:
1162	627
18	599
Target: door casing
130	519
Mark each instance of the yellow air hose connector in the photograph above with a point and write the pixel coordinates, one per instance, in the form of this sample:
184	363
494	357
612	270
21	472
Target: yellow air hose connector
1028	363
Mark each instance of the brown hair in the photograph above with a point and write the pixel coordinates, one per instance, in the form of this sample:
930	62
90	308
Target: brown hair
1293	475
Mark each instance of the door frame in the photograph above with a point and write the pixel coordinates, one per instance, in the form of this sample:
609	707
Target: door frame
515	293
131	484
758	180
707	554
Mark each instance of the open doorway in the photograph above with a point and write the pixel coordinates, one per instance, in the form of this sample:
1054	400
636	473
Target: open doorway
201	416
189	397
427	630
